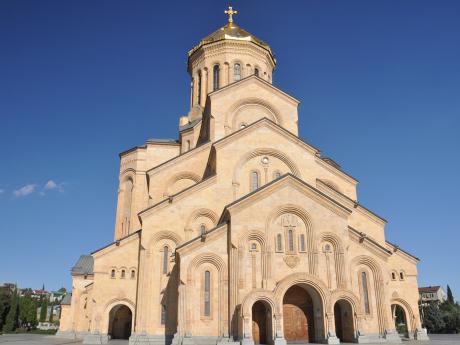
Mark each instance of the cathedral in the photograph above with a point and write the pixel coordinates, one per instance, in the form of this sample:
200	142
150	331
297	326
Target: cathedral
240	231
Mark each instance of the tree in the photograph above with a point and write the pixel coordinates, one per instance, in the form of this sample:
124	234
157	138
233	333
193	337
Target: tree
62	290
27	311
43	309
12	318
450	296
433	320
5	304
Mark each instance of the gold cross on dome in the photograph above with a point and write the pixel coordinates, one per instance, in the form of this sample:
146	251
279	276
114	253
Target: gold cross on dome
230	13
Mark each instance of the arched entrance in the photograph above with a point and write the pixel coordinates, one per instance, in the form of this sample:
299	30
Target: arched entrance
298	321
120	321
261	323
400	320
344	325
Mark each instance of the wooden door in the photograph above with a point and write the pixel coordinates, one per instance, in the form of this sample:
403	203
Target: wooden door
295	323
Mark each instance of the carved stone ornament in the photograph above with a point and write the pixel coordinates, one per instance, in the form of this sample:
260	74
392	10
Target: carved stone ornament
291	260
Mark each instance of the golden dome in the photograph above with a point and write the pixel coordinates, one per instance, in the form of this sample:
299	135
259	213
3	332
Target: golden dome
231	31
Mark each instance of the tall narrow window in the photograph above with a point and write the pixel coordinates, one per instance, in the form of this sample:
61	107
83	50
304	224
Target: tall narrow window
302	242
256	72
123	274
215	72
237	72
165	259
207	293
127	200
279	243
199	87
254	180
202	229
163	314
112	274
365	292
133	274
291	240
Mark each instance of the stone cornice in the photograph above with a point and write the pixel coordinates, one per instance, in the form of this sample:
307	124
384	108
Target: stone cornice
290	180
336	171
265	122
211	235
131	237
397	250
179	158
178	196
263	82
369	243
350	203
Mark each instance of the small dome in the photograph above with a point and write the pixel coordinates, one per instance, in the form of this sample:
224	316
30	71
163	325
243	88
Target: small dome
231	31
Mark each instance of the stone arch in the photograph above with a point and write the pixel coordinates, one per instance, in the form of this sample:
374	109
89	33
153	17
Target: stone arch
410	317
238	107
201	212
318	291
254	296
164	235
350	297
260	237
110	305
261	152
310	236
185	175
306	279
379	293
266	298
125	200
221	306
339	255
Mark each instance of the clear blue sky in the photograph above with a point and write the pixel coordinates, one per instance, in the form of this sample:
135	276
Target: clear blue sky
81	81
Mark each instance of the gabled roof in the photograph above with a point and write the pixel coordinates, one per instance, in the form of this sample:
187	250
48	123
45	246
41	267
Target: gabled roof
429	289
254	78
280	181
67	299
189	125
84	265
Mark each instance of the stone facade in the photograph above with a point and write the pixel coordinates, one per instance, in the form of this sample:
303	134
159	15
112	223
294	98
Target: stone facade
240	231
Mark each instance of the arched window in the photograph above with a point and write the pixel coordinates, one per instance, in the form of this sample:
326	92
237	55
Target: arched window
207	293
199	87
123	274
112	274
401	275
215	73
256	72
202	229
254	180
393	275
163	314
133	274
237	72
276	175
253	246
365	291
302	242
291	240
165	259
127	200
279	243
188	145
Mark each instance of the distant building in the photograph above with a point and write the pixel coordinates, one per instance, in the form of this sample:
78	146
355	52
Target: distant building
56	296
8	286
432	294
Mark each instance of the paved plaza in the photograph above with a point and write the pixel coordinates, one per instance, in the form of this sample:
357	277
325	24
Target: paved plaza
35	339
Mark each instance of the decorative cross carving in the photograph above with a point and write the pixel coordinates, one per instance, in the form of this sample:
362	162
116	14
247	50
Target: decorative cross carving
230	13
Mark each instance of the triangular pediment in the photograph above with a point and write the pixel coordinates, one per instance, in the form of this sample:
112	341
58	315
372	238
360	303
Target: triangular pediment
286	181
256	81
